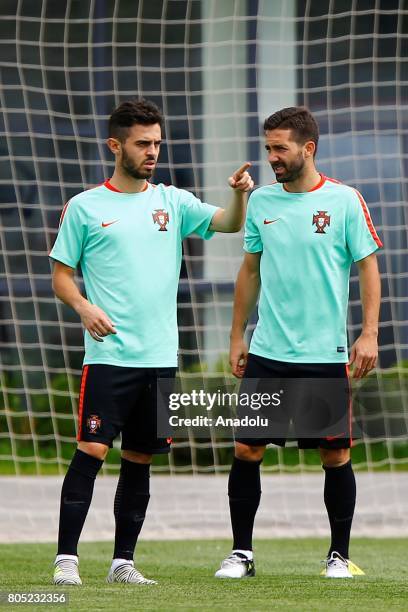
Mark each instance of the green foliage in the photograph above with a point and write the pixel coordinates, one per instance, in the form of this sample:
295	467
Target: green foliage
26	415
195	368
222	364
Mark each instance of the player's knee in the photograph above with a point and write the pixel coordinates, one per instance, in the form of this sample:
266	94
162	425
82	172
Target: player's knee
249	453
335	457
95	449
136	457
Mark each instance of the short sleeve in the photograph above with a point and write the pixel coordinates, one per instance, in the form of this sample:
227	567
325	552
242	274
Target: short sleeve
252	237
361	236
196	216
71	236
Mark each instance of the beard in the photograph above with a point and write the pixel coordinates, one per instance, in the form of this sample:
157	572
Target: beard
291	171
136	172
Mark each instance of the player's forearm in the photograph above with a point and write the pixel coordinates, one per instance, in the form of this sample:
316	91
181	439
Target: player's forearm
67	291
232	218
246	294
370	292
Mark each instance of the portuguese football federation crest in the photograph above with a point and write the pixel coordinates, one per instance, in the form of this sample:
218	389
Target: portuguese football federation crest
93	423
321	220
161	217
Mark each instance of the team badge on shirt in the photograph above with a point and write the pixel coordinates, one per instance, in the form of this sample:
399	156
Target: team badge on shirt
93	423
161	217
321	220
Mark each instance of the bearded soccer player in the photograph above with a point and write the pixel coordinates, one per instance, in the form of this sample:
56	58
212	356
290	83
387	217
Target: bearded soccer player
126	235
302	234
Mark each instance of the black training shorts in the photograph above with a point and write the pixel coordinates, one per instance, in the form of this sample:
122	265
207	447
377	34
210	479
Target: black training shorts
116	399
314	394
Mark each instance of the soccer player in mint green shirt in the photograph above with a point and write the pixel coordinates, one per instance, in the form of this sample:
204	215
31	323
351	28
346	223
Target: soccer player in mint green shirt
302	234
126	235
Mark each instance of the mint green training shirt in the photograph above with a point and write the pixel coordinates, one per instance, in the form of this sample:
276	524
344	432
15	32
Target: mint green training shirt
129	247
308	242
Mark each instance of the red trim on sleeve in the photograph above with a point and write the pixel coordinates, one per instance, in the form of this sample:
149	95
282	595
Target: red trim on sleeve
81	401
64	210
368	220
332	180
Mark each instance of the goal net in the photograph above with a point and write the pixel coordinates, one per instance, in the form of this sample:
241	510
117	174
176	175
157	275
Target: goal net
217	69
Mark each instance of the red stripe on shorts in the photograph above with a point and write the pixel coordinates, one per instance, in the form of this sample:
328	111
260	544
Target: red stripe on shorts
81	400
350	414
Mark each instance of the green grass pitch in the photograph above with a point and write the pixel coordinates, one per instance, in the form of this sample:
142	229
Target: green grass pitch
287	577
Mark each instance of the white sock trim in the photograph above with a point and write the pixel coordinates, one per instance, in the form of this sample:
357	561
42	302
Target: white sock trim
116	562
248	553
66	557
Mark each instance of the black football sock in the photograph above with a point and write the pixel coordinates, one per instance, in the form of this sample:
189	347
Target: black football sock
76	496
340	500
244	491
131	500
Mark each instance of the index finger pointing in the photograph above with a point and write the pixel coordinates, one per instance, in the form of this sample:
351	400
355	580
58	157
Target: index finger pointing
241	170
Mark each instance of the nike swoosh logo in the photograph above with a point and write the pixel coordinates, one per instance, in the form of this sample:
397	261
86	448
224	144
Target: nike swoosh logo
71	502
267	221
109	223
330	438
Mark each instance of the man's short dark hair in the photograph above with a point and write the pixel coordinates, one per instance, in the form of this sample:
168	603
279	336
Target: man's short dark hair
298	119
133	112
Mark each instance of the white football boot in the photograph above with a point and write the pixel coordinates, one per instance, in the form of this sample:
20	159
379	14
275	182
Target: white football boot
66	572
337	566
236	566
126	572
